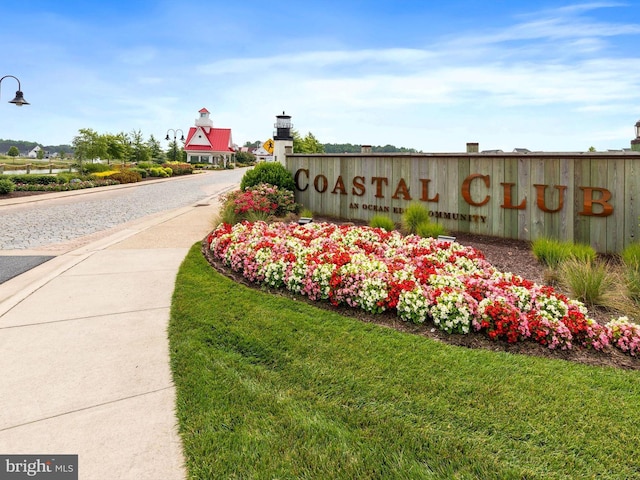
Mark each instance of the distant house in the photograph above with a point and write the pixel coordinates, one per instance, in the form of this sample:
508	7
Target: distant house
206	144
33	153
262	155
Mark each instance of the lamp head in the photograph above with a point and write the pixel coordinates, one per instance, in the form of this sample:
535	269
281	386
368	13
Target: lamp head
19	100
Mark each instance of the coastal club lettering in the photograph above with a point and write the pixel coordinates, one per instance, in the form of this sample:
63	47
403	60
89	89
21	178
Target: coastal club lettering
595	200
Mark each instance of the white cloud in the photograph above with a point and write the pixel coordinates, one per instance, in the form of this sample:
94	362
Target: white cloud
317	60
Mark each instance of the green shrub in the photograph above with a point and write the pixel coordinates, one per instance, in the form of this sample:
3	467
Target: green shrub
581	251
158	172
126	176
430	229
284	200
74	184
414	215
143	173
260	202
245	158
95	167
271	173
66	177
591	282
33	179
551	252
305	212
104	174
382	221
631	256
6	186
632	283
178	168
257	216
146	165
228	214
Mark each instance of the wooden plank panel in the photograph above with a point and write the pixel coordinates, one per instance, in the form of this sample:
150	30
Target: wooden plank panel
449	190
464	170
510	215
293	165
615	222
427	193
479	193
344	167
525	187
631	201
582	179
537	216
566	224
496	220
598	225
552	199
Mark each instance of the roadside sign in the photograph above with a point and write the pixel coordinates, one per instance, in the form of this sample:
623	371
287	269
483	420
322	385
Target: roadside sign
268	146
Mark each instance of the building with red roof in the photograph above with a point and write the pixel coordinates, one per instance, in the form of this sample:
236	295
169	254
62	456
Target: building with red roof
206	144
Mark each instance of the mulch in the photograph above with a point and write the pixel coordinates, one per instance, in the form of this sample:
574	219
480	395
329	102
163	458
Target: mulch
506	255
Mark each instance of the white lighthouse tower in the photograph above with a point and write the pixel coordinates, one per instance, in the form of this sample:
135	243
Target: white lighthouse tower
282	138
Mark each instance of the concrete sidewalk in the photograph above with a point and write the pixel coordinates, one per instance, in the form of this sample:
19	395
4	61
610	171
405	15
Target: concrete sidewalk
84	353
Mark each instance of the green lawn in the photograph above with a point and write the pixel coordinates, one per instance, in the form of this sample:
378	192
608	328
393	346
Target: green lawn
274	388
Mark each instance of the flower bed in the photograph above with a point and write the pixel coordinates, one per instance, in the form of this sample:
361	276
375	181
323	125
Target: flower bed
421	279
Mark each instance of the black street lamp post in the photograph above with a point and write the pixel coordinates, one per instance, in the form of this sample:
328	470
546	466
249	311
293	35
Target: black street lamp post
175	136
19	100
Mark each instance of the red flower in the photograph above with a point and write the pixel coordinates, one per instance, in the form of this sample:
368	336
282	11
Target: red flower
501	320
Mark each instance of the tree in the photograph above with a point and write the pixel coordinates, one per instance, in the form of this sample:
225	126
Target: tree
245	158
13	152
140	151
117	146
341	148
174	152
155	149
311	144
88	145
255	144
40	154
350	148
308	144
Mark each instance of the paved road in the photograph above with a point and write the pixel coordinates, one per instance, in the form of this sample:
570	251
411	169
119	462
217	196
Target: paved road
51	221
48	225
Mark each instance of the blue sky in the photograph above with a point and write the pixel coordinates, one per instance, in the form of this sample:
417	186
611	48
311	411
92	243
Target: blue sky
544	75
